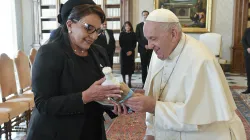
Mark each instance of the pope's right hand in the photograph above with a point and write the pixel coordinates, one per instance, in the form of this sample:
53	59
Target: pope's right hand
120	109
248	50
149	137
97	92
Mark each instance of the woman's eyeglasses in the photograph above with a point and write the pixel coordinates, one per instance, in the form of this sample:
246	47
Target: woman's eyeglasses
89	28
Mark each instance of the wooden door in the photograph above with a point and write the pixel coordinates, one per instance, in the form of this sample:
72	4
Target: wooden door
240	24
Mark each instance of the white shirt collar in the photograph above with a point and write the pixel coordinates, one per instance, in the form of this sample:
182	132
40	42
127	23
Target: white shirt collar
178	48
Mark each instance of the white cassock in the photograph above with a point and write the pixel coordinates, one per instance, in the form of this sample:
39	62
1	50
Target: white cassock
196	103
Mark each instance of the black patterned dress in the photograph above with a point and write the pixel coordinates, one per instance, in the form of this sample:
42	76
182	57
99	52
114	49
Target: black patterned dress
128	43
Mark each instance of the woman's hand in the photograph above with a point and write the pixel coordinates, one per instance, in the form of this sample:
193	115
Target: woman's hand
129	53
97	92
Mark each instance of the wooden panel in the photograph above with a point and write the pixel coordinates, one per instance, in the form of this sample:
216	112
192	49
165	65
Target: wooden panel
113	18
48	18
240	18
240	24
48	6
238	65
116	30
47	31
126	11
112	5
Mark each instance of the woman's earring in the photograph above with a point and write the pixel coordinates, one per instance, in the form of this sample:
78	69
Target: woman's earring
70	32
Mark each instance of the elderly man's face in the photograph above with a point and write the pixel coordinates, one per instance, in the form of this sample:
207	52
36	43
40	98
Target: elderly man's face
159	39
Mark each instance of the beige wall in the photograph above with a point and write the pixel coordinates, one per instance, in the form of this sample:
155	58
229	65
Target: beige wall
222	21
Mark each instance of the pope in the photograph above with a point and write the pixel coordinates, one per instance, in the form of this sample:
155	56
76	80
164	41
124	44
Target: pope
187	96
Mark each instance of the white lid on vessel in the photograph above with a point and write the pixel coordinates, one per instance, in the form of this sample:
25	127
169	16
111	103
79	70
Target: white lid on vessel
107	70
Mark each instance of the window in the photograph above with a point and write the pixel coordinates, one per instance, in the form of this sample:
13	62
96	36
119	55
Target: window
48	18
112	10
8	43
49	11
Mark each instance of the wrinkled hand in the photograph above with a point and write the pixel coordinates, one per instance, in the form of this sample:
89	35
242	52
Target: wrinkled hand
120	109
97	92
129	53
149	137
248	50
141	103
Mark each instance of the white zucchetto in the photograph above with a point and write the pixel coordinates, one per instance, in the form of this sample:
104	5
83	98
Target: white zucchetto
162	15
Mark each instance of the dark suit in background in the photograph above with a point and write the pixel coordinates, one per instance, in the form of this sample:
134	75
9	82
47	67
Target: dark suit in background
246	45
144	53
109	46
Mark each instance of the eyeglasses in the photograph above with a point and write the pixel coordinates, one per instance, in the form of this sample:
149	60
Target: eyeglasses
89	28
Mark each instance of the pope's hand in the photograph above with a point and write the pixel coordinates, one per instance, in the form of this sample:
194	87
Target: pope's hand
248	50
141	103
149	137
129	53
120	109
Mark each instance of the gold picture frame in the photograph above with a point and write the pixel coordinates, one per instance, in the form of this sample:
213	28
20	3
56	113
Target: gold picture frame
194	15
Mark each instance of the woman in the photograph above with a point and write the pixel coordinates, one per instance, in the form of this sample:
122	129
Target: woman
127	42
67	77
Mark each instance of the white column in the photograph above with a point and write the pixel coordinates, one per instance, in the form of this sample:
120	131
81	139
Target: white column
36	10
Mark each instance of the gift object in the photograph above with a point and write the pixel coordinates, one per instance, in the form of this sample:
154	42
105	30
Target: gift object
126	92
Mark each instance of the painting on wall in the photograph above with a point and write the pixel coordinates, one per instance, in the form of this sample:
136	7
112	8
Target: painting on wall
194	15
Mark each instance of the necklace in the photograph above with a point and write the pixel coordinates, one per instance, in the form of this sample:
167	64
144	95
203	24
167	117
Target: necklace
75	48
78	51
162	89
